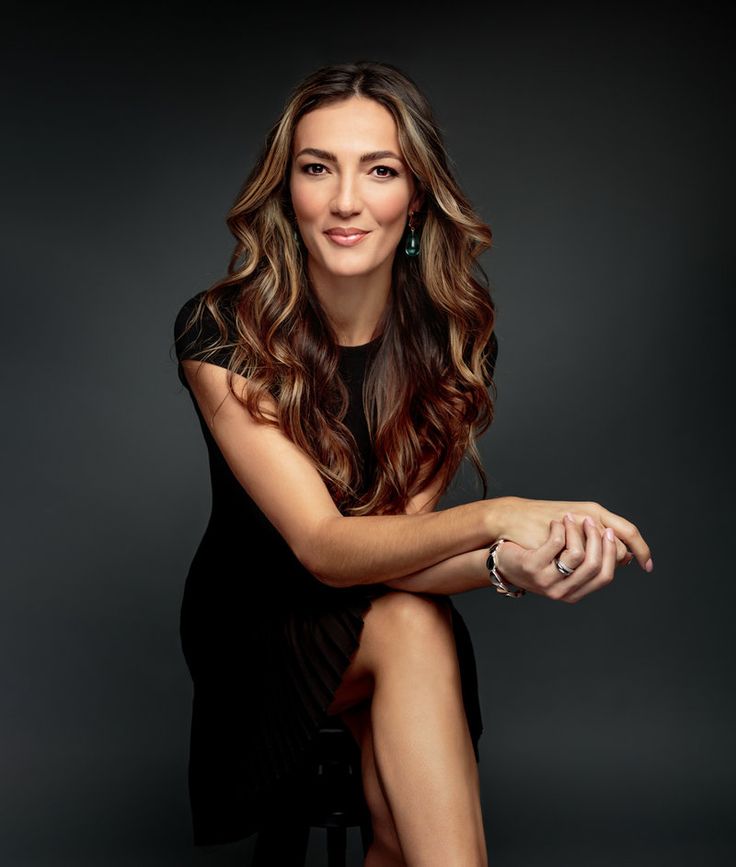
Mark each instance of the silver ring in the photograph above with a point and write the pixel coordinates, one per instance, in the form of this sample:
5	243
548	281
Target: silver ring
566	570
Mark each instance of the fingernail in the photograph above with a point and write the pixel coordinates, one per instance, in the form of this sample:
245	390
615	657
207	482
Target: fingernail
609	534
649	565
569	516
588	521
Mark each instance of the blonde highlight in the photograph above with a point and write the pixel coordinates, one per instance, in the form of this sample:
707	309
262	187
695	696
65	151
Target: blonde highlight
429	391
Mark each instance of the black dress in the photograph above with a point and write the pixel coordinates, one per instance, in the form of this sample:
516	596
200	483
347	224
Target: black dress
266	643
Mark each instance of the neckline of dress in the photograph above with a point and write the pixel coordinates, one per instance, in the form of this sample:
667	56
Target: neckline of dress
360	346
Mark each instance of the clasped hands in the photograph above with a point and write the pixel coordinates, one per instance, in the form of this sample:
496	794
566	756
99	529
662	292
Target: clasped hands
588	539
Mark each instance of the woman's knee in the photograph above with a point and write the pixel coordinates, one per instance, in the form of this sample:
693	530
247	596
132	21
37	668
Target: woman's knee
396	620
403	624
408	614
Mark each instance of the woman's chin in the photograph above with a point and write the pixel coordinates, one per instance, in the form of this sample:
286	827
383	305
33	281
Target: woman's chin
347	268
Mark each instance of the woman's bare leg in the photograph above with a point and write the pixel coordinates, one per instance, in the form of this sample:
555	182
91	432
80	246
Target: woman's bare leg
422	750
385	850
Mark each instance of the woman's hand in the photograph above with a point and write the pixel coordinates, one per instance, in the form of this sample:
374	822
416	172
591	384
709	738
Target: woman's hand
591	557
527	523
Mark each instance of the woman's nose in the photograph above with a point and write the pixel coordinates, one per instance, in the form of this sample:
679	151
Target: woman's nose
347	199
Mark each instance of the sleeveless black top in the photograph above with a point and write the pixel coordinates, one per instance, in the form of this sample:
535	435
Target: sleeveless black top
265	642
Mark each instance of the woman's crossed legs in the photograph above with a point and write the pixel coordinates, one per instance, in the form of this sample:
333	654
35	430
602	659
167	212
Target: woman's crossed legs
401	697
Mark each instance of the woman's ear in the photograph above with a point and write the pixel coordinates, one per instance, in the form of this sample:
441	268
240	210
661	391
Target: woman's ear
417	202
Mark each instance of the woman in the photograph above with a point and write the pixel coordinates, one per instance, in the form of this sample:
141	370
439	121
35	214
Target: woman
340	373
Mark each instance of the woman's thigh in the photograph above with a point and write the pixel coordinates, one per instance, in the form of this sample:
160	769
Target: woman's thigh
393	619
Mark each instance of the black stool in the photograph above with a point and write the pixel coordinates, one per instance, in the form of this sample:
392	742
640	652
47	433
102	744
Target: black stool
331	798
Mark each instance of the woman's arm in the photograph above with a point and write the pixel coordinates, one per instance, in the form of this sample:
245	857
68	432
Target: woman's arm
468	571
283	481
590	559
457	574
343	551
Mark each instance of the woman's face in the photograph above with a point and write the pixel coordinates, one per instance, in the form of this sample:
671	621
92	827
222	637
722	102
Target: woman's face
350	188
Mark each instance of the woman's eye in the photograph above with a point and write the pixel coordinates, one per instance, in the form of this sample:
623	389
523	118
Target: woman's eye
391	172
314	169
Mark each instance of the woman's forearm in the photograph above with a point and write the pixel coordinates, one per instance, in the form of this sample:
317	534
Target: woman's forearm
457	574
374	549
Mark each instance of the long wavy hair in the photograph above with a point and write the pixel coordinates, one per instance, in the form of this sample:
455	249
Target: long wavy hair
428	392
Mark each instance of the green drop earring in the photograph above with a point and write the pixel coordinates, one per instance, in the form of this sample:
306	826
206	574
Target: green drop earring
411	247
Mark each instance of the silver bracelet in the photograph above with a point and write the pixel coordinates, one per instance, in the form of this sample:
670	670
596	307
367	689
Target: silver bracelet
504	587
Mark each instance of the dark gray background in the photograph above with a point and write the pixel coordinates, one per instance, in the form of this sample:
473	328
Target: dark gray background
597	143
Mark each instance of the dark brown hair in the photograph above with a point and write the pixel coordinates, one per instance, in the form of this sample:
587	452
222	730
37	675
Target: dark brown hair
429	390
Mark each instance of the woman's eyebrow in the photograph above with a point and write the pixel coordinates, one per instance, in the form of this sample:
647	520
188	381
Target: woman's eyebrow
365	158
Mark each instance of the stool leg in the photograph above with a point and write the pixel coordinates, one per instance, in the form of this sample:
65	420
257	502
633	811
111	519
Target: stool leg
337	844
285	846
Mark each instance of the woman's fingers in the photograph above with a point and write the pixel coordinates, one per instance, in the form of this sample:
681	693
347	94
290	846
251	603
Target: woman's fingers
536	560
622	552
580	546
574	552
628	533
623	555
526	522
593	560
597	568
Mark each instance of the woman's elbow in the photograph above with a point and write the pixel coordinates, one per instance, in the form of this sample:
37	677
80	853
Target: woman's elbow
319	551
311	552
325	578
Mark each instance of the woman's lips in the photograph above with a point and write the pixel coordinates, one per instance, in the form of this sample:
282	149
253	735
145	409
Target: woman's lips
346	240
